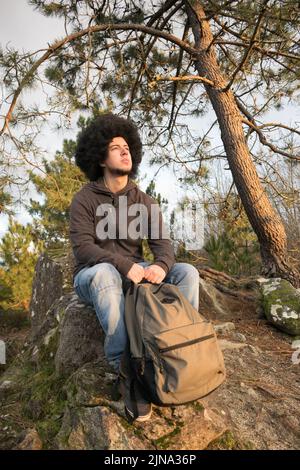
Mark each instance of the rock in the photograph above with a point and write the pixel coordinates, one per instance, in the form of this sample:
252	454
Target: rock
97	428
281	303
224	328
31	441
255	350
252	393
6	385
81	339
46	289
211	299
68	389
89	385
10	382
34	409
195	427
240	337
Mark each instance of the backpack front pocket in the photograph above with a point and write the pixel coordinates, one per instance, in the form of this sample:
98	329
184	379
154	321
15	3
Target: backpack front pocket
190	357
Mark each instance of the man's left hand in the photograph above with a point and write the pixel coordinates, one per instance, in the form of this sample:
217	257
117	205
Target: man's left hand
154	274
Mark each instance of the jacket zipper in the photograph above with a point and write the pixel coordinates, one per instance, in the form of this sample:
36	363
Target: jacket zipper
187	343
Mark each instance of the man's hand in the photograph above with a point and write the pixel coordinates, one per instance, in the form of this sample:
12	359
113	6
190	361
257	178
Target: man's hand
154	273
135	273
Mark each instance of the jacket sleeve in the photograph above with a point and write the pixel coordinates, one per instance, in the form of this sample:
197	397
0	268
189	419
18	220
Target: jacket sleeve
83	240
159	239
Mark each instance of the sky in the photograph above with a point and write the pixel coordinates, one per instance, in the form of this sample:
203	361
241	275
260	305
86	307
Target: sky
25	29
22	27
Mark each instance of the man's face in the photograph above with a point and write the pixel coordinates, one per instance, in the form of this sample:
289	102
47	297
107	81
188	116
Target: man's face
118	160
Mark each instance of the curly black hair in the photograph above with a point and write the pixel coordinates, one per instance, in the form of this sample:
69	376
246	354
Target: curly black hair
93	141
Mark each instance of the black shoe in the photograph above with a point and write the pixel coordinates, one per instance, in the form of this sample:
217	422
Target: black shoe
144	412
137	408
115	389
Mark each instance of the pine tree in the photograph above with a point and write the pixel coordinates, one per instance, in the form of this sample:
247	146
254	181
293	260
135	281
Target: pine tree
233	248
163	202
160	62
19	250
6	199
63	179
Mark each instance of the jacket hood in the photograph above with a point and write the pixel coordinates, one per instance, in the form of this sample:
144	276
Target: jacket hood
99	187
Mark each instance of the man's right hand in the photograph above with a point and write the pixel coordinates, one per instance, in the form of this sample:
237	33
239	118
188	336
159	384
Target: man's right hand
135	273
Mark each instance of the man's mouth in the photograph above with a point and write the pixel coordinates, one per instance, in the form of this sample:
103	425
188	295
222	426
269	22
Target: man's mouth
125	160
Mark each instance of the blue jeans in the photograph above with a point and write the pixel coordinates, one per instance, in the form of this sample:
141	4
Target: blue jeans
101	287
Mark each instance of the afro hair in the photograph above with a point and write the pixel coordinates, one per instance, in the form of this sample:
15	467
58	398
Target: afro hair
93	141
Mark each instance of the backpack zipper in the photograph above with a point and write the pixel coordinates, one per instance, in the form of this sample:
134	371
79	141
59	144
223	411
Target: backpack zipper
187	343
157	357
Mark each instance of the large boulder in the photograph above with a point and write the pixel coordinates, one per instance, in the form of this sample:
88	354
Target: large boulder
81	338
281	304
47	287
66	346
57	393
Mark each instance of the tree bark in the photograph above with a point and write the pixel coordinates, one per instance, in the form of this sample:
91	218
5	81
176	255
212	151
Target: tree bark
262	216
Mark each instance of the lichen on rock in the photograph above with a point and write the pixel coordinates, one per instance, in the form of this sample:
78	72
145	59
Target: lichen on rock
281	304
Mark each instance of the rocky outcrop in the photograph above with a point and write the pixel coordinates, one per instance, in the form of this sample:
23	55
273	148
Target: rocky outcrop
61	384
281	303
81	338
47	287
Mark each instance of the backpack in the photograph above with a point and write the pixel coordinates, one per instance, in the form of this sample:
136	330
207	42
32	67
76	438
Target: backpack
172	349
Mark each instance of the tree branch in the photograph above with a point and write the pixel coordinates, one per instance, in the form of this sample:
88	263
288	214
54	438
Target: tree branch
257	48
251	123
150	23
185	78
107	27
250	47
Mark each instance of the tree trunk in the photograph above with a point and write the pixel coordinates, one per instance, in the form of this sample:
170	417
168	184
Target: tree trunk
262	216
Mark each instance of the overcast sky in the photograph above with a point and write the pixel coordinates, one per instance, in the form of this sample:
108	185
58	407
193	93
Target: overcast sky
23	28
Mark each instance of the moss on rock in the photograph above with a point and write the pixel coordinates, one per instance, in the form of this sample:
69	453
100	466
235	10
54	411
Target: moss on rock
281	304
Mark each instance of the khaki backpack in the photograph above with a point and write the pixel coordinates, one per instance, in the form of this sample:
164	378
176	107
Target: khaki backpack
174	353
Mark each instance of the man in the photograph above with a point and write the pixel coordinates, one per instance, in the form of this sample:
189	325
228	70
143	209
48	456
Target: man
106	233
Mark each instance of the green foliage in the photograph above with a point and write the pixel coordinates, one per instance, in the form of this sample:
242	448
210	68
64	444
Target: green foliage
14	319
21	245
147	253
63	179
150	190
19	250
234	249
129	73
5	199
228	441
182	254
43	390
5	289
